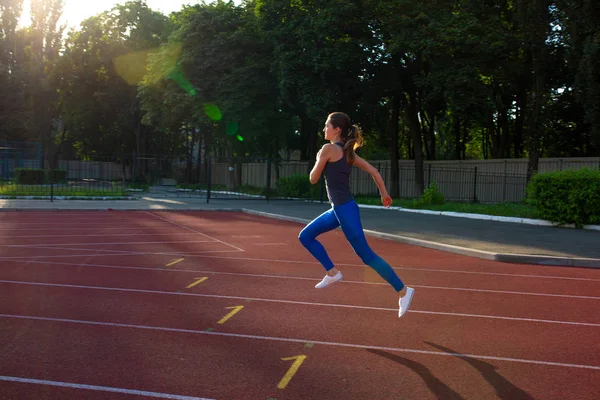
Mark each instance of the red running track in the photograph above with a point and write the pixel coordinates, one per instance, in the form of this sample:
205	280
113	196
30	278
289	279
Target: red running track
215	305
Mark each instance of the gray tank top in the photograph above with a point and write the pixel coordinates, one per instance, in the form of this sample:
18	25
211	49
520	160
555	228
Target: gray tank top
337	180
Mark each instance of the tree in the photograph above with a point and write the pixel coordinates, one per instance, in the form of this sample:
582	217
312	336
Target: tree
103	63
11	101
320	55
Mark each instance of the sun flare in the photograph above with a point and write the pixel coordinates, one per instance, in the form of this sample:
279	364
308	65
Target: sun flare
76	11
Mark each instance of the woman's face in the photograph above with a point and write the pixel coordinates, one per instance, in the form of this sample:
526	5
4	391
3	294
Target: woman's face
330	131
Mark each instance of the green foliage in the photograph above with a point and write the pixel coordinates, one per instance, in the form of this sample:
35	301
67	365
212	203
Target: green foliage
56	176
567	197
519	210
36	176
297	186
29	176
431	196
453	79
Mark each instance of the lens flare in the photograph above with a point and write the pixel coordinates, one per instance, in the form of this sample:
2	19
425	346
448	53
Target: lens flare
232	128
148	65
177	76
213	112
131	66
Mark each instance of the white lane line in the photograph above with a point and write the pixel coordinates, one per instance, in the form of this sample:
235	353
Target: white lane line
123	228
37	245
110	253
97	235
304	303
281	277
192	230
304	341
346	281
78	224
509	292
66	219
362	265
450	271
99	388
401	268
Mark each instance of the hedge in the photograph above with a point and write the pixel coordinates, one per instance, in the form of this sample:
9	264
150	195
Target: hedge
36	176
567	197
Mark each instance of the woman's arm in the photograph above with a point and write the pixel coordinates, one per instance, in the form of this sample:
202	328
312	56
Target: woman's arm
365	166
322	157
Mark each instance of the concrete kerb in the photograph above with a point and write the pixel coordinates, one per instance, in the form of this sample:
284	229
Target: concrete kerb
527	221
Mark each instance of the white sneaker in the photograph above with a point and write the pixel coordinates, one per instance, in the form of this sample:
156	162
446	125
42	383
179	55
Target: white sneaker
404	302
328	280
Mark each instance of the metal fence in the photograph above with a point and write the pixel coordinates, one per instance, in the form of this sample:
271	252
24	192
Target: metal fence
34	174
15	155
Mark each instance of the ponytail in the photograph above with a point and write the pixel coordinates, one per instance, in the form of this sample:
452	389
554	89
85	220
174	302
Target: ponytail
350	134
353	142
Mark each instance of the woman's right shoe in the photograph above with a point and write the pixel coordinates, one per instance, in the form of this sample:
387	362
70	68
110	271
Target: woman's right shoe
404	301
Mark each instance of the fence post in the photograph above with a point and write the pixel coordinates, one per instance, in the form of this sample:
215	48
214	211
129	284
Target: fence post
208	178
504	183
51	179
268	194
475	187
379	170
40	155
400	183
429	176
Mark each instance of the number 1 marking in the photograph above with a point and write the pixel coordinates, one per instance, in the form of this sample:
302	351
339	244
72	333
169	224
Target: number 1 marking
292	371
235	309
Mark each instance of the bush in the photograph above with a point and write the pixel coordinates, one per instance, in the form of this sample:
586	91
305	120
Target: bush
58	176
431	196
567	197
36	176
297	186
29	176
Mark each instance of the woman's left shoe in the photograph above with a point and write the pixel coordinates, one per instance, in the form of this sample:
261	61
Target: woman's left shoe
328	280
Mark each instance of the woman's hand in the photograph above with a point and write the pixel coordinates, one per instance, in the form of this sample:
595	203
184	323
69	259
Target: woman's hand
386	200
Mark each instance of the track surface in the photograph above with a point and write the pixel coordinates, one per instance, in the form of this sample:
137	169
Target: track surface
219	305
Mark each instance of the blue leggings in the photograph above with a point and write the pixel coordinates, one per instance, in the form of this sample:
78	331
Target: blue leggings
348	217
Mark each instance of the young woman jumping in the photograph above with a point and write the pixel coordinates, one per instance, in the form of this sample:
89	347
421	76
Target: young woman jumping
335	161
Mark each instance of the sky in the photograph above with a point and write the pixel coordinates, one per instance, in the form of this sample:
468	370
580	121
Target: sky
76	11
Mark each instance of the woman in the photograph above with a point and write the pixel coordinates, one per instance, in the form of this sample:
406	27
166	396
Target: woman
335	161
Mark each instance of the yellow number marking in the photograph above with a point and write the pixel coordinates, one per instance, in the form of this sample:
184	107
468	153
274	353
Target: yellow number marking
292	371
174	262
236	309
199	281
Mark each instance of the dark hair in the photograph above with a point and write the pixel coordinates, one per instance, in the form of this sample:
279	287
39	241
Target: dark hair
351	134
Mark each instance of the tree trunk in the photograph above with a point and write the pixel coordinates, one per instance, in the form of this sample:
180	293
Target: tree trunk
532	163
536	36
308	132
491	132
457	138
521	105
414	126
429	137
394	173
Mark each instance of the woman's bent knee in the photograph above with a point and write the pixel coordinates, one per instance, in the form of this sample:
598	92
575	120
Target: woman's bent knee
305	238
